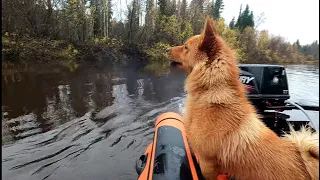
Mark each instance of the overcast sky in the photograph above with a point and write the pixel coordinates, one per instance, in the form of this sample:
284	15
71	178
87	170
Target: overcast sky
292	19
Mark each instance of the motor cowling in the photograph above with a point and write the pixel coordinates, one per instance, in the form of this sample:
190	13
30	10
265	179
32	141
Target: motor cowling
266	85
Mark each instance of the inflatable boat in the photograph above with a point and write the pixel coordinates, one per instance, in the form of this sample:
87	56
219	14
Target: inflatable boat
169	156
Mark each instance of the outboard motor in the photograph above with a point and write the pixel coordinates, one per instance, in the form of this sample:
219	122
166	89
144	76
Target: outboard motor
266	85
267	89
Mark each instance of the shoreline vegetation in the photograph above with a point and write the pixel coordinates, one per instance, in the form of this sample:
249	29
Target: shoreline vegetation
68	33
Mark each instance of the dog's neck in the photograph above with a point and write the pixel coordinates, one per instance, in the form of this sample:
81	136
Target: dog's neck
213	95
199	88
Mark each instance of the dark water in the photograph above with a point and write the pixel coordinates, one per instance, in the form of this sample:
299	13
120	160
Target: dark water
94	123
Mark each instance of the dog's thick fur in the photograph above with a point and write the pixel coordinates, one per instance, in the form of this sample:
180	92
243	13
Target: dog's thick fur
223	128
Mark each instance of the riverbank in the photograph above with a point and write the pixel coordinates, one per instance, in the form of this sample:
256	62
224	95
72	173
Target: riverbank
27	52
30	54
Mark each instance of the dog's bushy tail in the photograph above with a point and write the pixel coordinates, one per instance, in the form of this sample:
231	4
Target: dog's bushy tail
307	142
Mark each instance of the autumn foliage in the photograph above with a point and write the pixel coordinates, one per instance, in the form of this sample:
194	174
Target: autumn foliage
146	23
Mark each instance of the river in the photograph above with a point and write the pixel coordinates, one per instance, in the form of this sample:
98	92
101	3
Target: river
95	122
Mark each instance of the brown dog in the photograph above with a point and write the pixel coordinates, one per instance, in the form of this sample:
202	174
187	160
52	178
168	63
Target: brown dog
224	129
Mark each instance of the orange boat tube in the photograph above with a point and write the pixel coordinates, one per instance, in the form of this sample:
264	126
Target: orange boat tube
169	156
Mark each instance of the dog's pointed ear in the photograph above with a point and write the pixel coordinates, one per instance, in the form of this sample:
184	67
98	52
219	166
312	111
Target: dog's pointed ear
208	37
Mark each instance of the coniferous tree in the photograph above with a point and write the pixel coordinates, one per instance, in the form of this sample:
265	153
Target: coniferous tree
217	8
232	23
245	19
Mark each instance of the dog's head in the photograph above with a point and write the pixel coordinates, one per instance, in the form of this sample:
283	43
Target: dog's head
204	47
209	61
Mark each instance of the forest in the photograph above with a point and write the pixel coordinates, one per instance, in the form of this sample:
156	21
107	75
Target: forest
44	30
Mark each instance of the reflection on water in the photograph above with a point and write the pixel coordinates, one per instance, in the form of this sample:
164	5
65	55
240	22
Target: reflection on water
54	99
94	123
